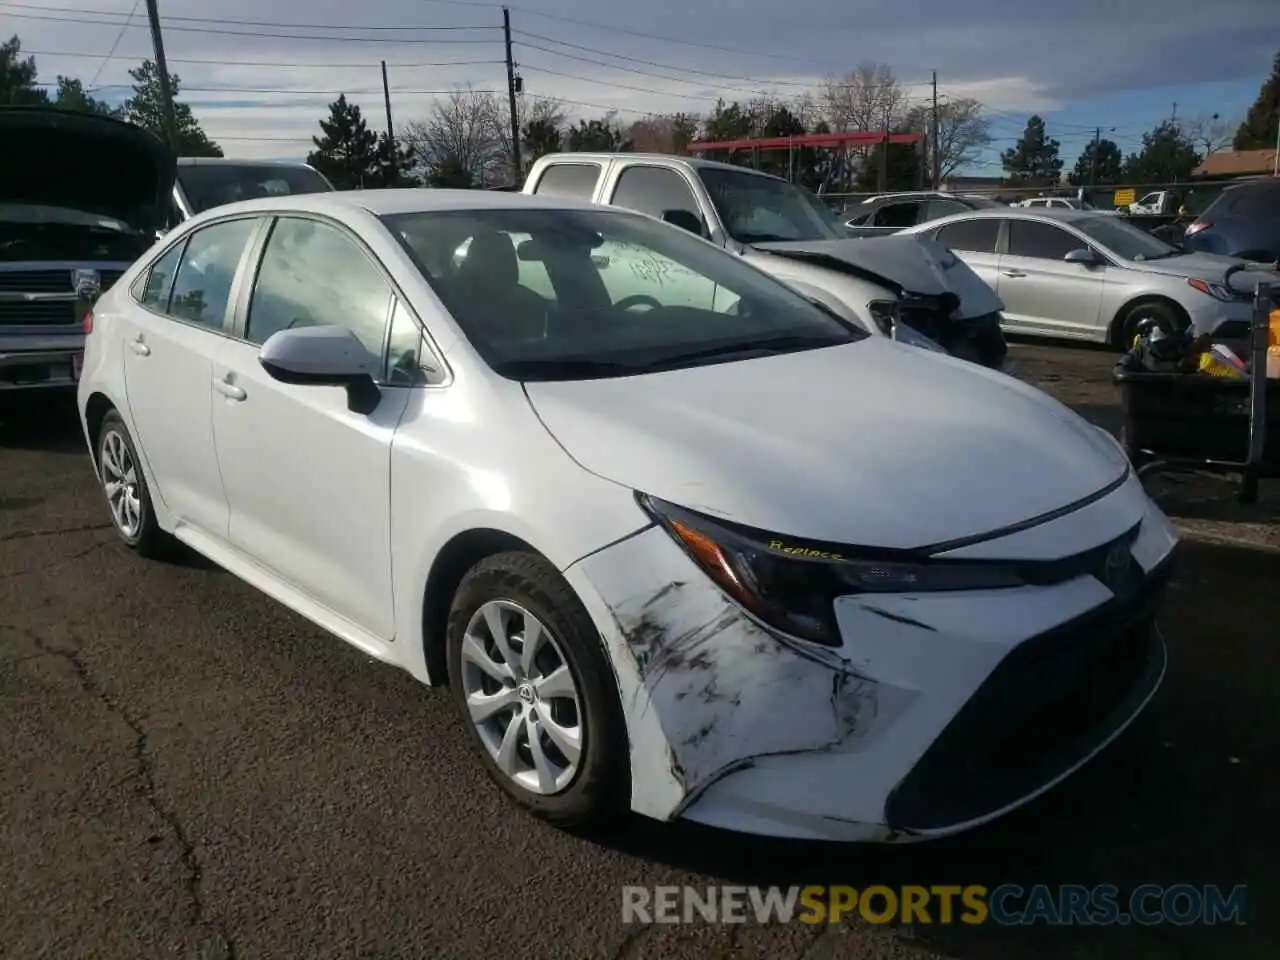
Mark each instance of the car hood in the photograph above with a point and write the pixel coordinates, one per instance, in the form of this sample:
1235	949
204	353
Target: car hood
871	443
1210	267
85	162
906	264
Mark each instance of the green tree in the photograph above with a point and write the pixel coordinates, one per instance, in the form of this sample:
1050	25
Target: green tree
603	135
18	76
905	168
348	152
1109	169
1167	155
71	95
145	108
1259	128
393	165
1034	160
451	172
539	137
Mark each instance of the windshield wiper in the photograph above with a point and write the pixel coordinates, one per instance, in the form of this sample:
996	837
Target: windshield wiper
770	346
565	368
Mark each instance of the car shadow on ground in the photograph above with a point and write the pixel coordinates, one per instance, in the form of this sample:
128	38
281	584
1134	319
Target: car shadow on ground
48	422
1177	799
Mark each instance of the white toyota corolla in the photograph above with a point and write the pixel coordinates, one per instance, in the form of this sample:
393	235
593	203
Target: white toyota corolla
677	539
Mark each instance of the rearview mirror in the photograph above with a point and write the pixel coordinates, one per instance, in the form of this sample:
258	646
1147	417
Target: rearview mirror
1084	256
323	356
685	220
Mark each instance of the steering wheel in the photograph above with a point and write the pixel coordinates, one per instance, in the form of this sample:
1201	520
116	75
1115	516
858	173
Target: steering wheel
637	300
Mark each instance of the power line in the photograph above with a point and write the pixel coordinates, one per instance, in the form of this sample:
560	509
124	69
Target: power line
116	45
373	64
232	21
331	92
273	36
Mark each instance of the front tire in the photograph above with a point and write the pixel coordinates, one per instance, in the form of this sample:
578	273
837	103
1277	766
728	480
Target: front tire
125	487
1169	319
531	680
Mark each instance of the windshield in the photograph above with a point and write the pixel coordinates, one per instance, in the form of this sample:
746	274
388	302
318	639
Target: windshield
212	185
582	294
1123	239
756	209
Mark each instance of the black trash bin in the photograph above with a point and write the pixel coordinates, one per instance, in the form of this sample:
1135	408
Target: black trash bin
1194	417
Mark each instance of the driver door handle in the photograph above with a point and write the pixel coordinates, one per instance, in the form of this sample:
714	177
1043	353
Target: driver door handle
228	389
1013	273
139	347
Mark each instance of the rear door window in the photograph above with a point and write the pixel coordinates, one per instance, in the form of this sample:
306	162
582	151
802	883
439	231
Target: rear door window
898	214
202	286
970	236
571	181
1040	241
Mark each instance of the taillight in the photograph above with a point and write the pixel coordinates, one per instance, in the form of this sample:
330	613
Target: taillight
1197	227
88	323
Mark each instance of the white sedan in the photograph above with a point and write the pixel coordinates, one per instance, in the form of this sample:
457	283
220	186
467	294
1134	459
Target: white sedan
736	562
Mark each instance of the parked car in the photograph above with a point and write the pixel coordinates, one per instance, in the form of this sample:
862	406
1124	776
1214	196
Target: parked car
903	289
739	563
1060	203
81	198
890	213
1086	276
1244	221
205	182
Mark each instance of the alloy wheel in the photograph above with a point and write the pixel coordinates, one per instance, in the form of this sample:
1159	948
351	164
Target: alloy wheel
521	697
120	482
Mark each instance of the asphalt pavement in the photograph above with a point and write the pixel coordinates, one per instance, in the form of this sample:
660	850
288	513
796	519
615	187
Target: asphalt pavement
191	770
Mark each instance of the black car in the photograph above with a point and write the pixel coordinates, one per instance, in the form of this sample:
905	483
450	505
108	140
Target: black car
1244	222
894	212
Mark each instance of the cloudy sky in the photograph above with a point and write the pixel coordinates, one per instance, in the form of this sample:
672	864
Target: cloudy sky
259	73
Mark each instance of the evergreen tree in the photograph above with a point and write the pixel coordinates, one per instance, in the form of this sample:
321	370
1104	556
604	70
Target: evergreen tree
348	152
18	76
1259	128
1109	169
1167	155
1034	160
71	95
146	109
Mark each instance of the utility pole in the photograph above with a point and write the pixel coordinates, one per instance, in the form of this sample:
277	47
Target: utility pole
1275	166
884	155
933	138
162	69
517	170
1093	160
392	153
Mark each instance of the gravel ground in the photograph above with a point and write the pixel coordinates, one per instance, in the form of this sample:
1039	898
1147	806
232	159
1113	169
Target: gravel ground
190	770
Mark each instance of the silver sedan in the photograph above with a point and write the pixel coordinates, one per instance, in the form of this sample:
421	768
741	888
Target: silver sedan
1087	276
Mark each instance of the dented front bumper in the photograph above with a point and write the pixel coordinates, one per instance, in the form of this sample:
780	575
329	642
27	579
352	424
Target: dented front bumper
736	726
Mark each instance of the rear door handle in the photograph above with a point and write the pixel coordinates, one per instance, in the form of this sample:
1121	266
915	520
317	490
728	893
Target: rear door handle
140	348
229	390
1013	273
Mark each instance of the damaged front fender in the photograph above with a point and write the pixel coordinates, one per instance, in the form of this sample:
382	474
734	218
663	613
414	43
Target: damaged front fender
705	689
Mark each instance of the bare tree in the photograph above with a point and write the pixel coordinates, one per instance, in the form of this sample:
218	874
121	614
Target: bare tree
463	131
868	97
1210	133
532	112
962	131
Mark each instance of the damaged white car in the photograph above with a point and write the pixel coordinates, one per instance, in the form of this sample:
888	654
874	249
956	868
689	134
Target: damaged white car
733	561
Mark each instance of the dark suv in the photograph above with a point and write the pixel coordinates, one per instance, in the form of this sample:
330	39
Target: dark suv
1243	222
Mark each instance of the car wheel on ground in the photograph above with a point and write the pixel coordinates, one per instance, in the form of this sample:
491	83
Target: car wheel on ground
528	673
125	487
1167	317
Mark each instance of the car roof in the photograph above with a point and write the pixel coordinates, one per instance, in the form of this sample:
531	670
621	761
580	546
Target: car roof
697	163
404	200
238	162
1060	214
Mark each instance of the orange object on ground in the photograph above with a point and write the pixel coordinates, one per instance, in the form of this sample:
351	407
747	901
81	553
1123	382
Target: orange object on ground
1273	338
1273	358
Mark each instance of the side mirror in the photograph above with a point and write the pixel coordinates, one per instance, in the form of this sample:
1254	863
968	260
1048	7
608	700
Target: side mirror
323	356
1083	256
685	220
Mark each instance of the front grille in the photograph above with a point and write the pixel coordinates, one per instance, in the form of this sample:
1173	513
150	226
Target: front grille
16	313
1044	708
36	281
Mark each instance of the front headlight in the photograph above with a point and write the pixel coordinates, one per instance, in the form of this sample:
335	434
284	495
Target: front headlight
1219	291
791	585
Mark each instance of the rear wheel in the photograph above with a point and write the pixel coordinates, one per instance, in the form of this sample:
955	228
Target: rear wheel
531	679
125	487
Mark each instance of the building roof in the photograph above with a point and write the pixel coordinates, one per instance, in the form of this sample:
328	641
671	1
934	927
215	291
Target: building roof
1237	162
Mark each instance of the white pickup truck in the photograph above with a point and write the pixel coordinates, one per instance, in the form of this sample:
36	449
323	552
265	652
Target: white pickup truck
904	287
